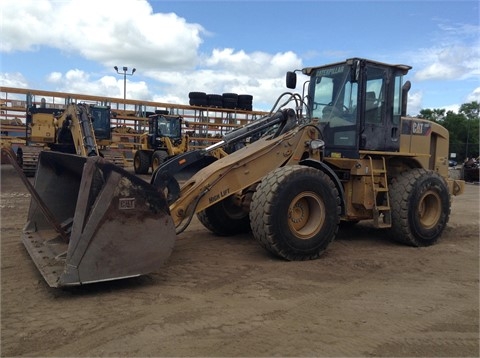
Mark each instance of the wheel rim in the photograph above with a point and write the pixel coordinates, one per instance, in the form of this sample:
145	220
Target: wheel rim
232	208
136	162
429	209
306	215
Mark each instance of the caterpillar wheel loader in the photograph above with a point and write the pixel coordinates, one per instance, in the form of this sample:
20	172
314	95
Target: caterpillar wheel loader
163	141
353	155
61	130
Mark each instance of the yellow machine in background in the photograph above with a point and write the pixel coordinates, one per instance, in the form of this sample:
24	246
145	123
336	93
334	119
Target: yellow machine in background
163	140
78	129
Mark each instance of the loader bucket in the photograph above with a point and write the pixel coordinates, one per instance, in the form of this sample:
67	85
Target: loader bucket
93	221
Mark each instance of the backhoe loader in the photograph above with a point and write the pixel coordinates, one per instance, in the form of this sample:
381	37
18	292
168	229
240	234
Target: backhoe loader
62	130
343	152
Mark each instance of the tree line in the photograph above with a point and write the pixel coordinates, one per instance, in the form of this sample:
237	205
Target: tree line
463	127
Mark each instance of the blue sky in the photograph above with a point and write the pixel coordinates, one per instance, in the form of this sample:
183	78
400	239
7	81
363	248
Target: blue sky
235	46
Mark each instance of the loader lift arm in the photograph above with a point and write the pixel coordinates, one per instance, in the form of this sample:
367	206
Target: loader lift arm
232	174
183	166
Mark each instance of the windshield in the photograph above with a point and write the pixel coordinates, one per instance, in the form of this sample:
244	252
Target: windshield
168	127
334	96
101	121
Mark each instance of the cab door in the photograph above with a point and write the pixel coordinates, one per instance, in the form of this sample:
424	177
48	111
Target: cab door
380	128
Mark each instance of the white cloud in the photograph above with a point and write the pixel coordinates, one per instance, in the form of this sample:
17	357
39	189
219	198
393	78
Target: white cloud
167	49
452	107
449	63
260	64
125	31
438	70
259	74
163	46
414	103
77	81
264	90
474	95
455	55
16	80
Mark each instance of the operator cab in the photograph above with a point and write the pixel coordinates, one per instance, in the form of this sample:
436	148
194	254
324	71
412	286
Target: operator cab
358	104
101	121
161	126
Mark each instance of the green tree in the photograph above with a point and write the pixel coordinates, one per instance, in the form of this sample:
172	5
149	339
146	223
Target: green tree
434	115
472	113
462	126
471	110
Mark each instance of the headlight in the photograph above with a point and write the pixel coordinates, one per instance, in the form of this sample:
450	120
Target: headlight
316	144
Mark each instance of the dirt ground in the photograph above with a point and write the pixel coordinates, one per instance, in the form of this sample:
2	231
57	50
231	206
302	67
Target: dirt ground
223	296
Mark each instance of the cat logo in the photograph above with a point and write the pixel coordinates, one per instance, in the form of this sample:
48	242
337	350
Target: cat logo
421	128
126	203
417	128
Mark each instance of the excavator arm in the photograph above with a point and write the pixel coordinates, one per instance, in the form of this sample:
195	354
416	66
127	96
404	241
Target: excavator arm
75	127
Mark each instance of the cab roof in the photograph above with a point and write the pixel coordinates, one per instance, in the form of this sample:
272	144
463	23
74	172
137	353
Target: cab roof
402	68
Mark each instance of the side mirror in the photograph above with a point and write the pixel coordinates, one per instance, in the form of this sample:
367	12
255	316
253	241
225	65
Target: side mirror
291	80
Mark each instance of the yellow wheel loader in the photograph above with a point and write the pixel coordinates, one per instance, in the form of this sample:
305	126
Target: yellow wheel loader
353	155
163	141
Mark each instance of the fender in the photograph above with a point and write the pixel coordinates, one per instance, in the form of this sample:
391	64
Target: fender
327	170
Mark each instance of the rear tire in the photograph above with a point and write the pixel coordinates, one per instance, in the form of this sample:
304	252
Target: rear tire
420	203
295	212
141	162
225	218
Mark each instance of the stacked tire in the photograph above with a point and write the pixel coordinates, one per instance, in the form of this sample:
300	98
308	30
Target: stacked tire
245	102
215	100
225	100
198	99
230	100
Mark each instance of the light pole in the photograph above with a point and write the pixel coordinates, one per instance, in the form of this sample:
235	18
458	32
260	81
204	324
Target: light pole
125	69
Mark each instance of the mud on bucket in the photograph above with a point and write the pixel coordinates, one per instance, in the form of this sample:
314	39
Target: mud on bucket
93	221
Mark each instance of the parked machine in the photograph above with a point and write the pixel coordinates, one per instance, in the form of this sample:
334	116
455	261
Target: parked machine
342	152
64	130
471	170
163	141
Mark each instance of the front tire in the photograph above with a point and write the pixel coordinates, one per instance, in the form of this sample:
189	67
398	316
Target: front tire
420	203
141	162
295	212
158	157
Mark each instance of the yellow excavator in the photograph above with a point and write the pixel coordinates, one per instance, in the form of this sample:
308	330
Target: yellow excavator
345	151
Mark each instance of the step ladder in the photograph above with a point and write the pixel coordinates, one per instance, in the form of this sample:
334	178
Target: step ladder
382	214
